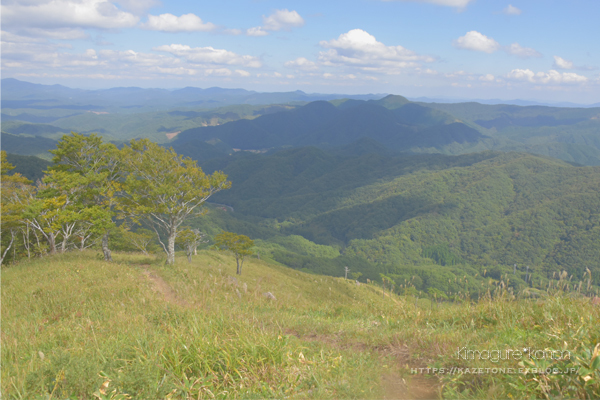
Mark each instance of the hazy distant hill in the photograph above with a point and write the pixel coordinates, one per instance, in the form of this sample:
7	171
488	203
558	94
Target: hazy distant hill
19	95
31	167
27	145
323	124
249	120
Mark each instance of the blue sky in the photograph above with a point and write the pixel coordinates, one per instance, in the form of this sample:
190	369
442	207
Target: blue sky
526	49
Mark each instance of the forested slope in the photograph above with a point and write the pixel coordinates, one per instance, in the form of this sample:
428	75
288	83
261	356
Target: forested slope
395	211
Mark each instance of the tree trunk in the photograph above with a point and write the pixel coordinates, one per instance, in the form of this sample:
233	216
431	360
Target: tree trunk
239	267
12	239
105	249
171	247
189	251
51	243
63	246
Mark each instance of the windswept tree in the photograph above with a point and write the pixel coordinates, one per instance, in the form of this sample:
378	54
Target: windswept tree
96	166
165	189
239	245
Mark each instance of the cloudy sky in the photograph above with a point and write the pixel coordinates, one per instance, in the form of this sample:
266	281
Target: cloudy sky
507	49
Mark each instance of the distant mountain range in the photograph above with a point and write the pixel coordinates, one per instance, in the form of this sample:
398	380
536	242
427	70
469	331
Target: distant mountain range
18	94
207	123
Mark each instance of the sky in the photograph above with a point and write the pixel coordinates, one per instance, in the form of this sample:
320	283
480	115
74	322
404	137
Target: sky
486	49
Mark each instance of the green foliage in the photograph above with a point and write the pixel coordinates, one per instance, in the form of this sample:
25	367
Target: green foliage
441	254
239	245
165	189
190	239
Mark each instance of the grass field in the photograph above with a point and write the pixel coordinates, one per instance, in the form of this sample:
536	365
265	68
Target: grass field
74	326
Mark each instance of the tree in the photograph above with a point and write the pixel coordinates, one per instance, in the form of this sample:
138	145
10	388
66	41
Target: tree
58	209
140	239
239	245
15	191
97	165
165	189
190	239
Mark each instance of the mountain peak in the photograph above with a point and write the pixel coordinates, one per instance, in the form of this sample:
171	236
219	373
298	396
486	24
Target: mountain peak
392	101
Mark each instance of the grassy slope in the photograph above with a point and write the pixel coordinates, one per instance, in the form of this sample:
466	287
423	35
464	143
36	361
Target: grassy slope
71	323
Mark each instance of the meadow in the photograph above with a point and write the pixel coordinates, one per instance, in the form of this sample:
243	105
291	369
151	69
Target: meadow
77	327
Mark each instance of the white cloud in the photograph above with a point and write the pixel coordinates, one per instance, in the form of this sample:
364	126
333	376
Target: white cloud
487	78
256	31
360	49
282	20
511	10
448	3
209	55
138	7
172	23
522	52
59	14
561	63
28	57
302	64
476	41
550	77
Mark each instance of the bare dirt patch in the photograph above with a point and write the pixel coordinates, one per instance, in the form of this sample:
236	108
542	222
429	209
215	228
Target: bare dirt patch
414	387
163	287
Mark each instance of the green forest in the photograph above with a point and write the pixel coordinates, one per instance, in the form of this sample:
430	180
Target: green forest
427	223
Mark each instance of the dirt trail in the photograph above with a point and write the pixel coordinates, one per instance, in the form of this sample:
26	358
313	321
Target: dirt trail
395	386
414	387
163	287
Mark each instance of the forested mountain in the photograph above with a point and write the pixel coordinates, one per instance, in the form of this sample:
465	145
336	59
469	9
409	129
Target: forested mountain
569	134
401	214
325	125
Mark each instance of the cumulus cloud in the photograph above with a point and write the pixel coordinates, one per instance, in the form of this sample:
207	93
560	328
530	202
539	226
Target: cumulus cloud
511	10
209	55
302	64
476	41
171	23
487	78
550	77
360	49
561	63
448	3
280	20
60	14
522	52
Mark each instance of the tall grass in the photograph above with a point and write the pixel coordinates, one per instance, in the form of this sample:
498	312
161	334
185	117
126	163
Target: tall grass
74	326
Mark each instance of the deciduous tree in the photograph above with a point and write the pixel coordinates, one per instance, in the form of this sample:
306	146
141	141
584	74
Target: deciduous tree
165	189
98	166
239	245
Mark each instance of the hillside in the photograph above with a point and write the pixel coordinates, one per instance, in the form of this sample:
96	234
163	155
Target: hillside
325	125
77	327
392	213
